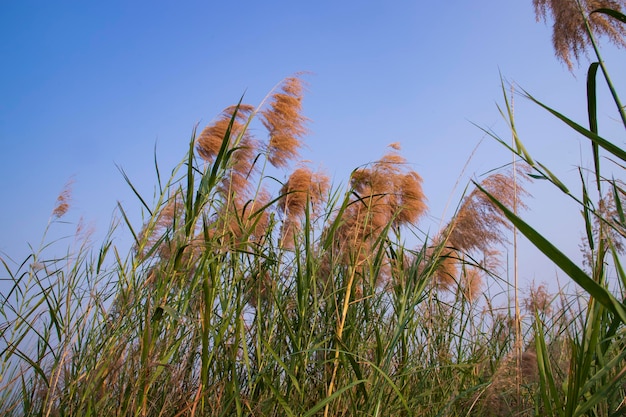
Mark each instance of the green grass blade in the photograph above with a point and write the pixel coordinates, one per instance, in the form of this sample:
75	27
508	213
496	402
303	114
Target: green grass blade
586	214
593	117
570	268
548	391
603	143
190	213
317	407
132	187
613	13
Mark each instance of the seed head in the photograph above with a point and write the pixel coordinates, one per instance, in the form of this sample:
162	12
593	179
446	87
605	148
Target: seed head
284	121
211	138
302	187
479	223
569	32
471	283
63	201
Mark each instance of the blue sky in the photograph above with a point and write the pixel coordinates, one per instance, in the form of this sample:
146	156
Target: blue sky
89	86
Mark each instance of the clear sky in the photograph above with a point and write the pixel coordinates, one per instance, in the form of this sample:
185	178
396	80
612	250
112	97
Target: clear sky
88	86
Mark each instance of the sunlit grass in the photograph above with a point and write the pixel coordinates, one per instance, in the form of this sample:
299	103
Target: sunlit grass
245	295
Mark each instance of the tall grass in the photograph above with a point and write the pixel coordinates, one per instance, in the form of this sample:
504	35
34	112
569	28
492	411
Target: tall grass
250	296
234	301
590	379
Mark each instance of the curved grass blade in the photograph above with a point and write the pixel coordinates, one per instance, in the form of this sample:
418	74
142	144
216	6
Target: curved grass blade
613	13
317	407
593	117
603	143
555	255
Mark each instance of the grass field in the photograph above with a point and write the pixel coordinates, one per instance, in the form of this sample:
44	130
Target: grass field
244	295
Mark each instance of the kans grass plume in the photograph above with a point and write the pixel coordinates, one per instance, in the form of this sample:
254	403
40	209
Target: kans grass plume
569	32
285	123
385	194
303	188
63	201
241	214
477	226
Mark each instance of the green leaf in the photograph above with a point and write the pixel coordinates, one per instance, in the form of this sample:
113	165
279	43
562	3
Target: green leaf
593	118
603	143
553	178
330	398
586	204
570	268
613	13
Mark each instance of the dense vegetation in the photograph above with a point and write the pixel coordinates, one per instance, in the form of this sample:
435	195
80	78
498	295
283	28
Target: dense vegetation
244	295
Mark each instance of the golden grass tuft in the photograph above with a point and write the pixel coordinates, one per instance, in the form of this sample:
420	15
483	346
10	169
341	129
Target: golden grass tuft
386	193
63	201
303	187
478	224
210	139
389	192
446	275
502	397
471	283
539	300
236	183
412	201
569	33
244	219
166	221
284	121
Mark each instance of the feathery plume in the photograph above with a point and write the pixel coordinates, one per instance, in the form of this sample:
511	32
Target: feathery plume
387	194
412	199
446	275
240	218
285	123
539	300
211	138
63	201
472	283
166	221
302	187
569	32
236	183
479	224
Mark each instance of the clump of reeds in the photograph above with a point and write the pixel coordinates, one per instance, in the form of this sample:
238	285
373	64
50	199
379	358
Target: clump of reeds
385	194
590	344
241	298
242	212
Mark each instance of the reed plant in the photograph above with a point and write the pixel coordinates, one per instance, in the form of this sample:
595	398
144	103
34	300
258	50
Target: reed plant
244	295
589	380
254	287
